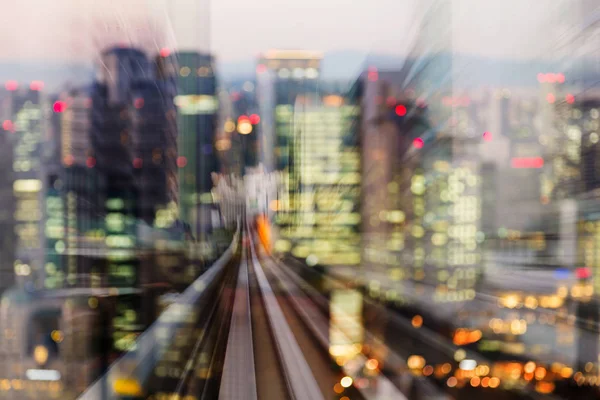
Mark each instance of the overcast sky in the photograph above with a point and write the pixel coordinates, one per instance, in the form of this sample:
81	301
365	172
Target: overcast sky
241	29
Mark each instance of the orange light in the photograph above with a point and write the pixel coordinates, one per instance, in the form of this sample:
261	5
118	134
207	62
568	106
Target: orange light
529	367
475	381
427	370
540	373
494	382
446	368
451	382
544	387
372	364
338	388
566	372
463	336
264	232
417	321
415	362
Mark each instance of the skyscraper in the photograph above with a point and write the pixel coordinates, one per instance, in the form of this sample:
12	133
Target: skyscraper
282	75
26	121
7	205
320	217
197	106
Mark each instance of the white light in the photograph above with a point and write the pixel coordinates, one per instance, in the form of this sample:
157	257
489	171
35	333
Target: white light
42	374
467	365
312	73
284	73
298	73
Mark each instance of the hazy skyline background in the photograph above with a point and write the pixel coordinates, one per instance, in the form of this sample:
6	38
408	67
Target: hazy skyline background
62	29
42	40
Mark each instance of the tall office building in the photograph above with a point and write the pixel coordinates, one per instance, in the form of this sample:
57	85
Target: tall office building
26	128
197	106
7	205
282	76
321	218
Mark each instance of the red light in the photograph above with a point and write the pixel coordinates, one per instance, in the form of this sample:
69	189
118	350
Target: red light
261	68
59	106
36	85
68	160
401	110
181	161
487	136
11	85
254	119
138	103
243	118
373	75
582	273
418	143
541	77
550	98
8	125
550	77
527	162
390	101
560	78
90	162
137	162
570	98
164	52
